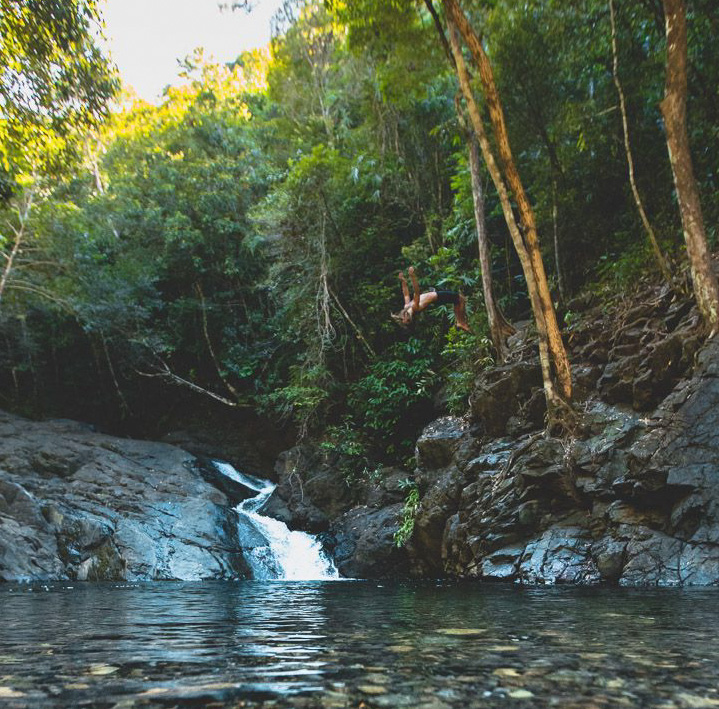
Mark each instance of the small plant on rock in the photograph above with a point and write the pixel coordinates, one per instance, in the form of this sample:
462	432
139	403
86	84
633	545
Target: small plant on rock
409	512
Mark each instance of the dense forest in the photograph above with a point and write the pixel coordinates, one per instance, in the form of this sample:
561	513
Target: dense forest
235	250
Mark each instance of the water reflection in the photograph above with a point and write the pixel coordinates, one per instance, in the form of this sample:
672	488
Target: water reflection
325	644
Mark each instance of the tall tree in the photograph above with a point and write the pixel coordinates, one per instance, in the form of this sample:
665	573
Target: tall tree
544	309
656	249
499	327
514	229
706	288
54	84
53	76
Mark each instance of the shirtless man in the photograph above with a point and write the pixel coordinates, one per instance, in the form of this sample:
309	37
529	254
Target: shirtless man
421	301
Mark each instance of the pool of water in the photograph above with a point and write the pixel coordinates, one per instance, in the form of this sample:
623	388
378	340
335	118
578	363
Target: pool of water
356	644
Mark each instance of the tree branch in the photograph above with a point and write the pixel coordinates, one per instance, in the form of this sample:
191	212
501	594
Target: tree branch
215	361
168	375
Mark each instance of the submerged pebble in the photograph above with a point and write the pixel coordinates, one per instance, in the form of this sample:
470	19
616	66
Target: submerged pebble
344	646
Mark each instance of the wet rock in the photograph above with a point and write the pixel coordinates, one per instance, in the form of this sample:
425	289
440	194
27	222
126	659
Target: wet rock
28	548
311	489
610	558
439	502
438	441
388	488
78	504
234	490
653	558
364	543
560	555
633	500
502	564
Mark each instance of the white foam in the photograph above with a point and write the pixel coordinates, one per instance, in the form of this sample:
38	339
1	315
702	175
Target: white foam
288	555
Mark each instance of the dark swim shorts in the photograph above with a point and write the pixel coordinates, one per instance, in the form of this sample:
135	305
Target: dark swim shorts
446	297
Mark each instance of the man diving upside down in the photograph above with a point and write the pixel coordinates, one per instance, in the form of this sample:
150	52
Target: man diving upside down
421	301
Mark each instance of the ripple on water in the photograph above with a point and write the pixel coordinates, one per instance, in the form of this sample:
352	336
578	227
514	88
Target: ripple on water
341	645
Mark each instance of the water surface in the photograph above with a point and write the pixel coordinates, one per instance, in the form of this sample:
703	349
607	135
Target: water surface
356	644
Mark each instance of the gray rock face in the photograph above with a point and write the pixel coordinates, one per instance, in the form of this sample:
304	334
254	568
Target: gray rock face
502	393
80	505
365	543
310	491
358	521
634	500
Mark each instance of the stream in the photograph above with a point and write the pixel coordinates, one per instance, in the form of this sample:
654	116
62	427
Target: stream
356	644
288	555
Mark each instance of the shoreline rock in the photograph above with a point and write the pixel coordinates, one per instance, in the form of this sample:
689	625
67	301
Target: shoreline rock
631	500
75	504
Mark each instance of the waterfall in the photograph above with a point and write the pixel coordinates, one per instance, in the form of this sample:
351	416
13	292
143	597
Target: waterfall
286	554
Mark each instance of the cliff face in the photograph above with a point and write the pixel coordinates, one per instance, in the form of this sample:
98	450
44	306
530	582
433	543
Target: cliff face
632	497
634	502
75	504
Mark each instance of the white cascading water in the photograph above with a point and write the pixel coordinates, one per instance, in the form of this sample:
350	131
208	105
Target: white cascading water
288	555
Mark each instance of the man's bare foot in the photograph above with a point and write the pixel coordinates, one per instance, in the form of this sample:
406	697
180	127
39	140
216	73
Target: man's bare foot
460	314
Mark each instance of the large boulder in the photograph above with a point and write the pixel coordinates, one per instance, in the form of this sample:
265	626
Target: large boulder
364	545
81	505
311	489
509	396
439	441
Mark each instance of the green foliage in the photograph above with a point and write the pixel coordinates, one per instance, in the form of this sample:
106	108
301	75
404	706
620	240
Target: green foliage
464	356
409	513
301	399
388	398
347	443
54	79
622	271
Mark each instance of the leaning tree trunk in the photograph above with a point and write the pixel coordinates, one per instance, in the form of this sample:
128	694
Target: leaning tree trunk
656	250
529	230
554	402
706	288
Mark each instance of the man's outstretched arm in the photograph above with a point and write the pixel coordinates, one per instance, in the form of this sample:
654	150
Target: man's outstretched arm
405	289
415	287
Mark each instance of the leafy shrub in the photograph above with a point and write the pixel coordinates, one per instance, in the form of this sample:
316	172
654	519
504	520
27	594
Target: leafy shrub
409	513
463	356
347	442
385	399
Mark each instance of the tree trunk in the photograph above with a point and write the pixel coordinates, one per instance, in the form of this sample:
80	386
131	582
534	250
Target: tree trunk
555	232
23	215
553	400
656	250
499	328
706	288
556	348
